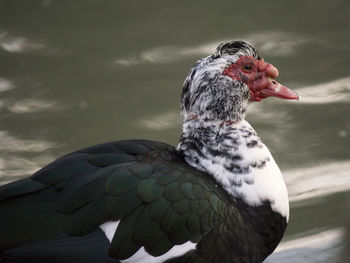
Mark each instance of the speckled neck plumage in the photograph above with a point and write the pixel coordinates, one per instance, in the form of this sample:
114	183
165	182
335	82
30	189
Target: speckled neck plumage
216	138
214	142
238	161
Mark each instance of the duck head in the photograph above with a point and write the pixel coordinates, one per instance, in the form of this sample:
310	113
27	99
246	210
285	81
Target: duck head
220	86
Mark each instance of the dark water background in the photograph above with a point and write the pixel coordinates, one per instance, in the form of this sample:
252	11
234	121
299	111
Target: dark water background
78	73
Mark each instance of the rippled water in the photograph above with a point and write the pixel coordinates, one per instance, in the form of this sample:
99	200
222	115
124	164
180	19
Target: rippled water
77	73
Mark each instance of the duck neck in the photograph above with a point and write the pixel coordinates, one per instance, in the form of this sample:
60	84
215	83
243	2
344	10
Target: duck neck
237	159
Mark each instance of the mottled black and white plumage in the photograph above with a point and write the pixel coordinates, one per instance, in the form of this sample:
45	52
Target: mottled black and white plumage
218	197
211	95
216	138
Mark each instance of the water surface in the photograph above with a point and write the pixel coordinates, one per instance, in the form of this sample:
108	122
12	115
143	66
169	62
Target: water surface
77	73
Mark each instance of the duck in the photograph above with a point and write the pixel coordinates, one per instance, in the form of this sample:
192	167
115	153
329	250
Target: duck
218	196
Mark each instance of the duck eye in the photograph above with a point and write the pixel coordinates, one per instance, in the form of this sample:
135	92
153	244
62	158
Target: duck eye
247	67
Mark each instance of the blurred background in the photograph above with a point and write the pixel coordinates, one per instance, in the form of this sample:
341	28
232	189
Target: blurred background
78	73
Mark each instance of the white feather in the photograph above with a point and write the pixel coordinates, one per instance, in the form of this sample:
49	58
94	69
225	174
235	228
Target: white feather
254	186
109	229
141	256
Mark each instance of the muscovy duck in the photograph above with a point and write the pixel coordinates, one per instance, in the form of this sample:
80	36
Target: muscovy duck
218	197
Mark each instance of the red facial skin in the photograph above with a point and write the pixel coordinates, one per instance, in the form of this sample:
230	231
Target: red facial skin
260	78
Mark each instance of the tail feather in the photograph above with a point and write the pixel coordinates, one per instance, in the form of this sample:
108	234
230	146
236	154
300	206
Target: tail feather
29	217
90	248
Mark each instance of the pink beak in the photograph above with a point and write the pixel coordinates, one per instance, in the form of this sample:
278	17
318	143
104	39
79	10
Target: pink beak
275	89
269	87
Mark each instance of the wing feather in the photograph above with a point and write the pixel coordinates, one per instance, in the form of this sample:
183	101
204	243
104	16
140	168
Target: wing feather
159	200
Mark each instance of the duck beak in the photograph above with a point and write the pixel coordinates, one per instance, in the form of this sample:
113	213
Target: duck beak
275	89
